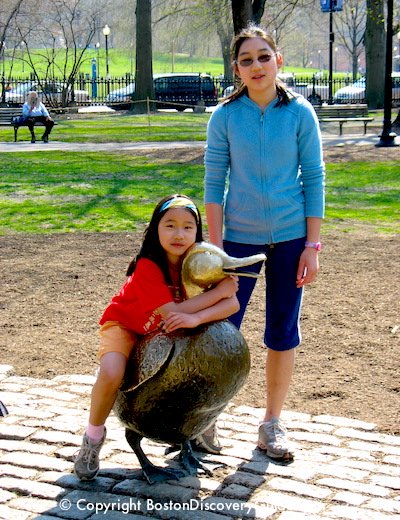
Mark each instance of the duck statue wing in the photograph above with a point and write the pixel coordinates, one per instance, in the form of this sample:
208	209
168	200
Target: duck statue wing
147	359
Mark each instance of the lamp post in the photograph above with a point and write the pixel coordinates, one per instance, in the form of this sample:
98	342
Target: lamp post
331	6
331	40
3	55
98	57
387	138
131	59
106	32
3	73
23	55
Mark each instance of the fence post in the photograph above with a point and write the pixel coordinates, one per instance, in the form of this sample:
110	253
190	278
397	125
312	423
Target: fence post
3	90
148	110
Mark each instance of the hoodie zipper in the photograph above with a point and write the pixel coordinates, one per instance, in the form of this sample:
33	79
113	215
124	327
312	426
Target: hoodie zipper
264	179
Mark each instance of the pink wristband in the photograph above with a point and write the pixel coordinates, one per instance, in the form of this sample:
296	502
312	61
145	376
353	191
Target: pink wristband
315	245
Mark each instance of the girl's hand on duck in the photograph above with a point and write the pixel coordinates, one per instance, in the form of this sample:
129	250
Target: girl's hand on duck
180	320
229	286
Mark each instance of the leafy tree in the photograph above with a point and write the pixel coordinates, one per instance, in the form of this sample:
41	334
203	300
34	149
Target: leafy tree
350	26
9	10
64	31
219	12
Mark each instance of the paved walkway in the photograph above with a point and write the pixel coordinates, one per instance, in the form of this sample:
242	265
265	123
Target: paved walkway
343	469
26	146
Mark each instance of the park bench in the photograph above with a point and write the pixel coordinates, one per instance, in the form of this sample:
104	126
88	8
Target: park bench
6	116
343	114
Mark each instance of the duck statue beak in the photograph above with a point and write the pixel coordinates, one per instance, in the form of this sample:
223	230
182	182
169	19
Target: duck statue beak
206	264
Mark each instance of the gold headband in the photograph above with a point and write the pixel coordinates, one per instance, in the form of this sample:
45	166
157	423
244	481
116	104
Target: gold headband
181	202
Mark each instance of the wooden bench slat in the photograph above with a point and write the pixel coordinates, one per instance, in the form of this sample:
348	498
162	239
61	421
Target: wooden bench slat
343	114
6	115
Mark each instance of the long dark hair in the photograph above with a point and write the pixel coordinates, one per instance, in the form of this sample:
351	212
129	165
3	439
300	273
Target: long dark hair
151	246
254	31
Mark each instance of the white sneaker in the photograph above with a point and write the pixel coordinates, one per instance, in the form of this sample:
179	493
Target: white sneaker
87	464
272	439
208	441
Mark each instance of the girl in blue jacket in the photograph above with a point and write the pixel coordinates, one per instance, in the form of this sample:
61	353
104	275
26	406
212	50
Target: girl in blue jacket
264	192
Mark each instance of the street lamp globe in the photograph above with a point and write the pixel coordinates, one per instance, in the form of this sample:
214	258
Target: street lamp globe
106	30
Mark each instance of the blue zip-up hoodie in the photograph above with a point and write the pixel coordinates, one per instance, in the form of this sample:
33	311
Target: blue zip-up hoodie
266	168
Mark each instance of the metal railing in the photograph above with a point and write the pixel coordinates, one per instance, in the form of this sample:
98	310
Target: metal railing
174	93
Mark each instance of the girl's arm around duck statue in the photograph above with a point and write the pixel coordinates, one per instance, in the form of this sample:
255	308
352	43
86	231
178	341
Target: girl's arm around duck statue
218	303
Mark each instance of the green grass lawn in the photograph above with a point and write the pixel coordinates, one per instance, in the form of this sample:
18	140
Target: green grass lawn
122	62
122	127
43	192
365	192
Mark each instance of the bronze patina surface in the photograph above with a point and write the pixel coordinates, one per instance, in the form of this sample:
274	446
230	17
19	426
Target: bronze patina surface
177	384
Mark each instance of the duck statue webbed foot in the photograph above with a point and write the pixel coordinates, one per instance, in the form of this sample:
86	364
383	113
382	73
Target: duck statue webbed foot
151	472
190	462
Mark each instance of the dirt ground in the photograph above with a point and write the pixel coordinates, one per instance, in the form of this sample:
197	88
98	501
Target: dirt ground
54	288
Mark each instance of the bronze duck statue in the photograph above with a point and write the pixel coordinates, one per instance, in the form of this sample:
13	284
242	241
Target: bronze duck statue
177	384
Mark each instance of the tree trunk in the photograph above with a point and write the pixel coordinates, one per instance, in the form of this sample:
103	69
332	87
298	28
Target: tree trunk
258	10
375	53
242	14
245	12
226	53
144	89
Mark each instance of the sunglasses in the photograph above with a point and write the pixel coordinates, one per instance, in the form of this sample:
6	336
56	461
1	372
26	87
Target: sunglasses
263	58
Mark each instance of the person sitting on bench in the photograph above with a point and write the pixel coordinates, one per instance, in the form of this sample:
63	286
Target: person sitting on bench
33	111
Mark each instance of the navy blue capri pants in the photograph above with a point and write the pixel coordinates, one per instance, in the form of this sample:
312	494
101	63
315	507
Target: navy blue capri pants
283	299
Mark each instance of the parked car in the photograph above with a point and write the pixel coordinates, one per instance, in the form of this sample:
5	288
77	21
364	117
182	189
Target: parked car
175	90
355	93
122	95
228	91
50	92
185	90
314	93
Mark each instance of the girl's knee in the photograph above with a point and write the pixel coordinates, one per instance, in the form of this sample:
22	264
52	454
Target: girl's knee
112	370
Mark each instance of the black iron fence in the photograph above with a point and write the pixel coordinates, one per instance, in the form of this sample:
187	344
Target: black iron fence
177	91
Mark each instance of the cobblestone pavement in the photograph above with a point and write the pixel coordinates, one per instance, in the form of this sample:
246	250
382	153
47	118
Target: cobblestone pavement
343	468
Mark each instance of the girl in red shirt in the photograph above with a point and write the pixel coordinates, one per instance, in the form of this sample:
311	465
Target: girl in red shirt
152	298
